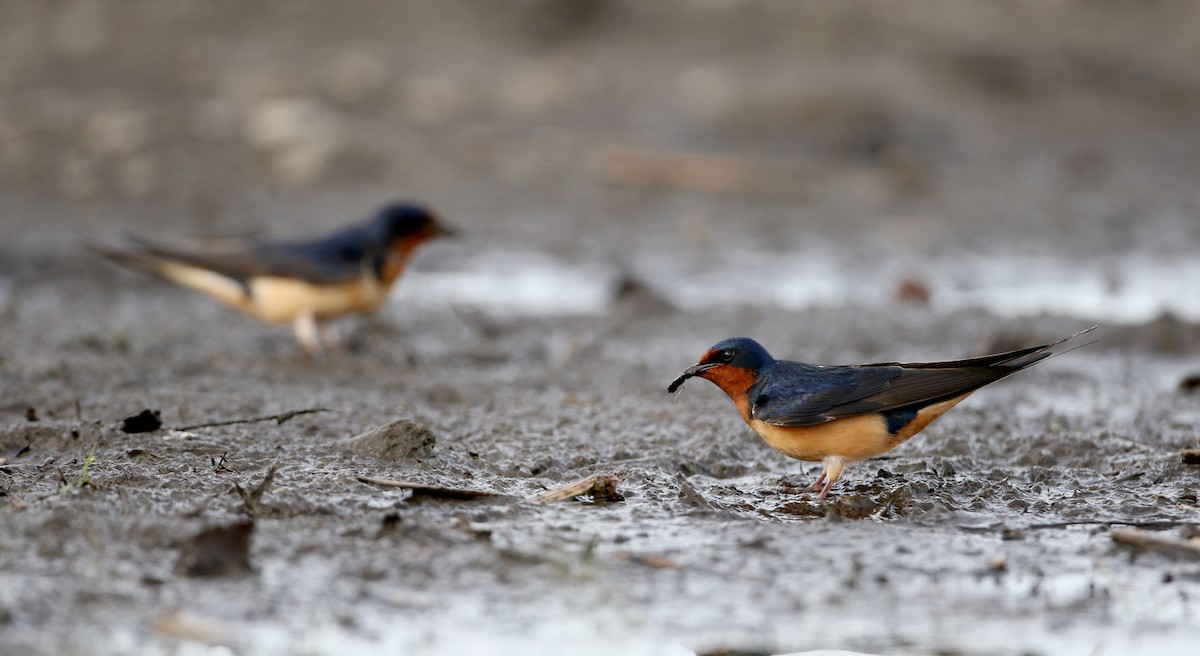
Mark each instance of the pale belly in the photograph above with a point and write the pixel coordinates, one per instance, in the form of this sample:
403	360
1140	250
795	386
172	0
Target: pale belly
282	300
851	438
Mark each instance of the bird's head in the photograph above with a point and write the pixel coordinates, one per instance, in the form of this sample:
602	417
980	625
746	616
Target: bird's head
733	364
408	224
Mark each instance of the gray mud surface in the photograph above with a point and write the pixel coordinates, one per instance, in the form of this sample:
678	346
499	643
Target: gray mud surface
606	136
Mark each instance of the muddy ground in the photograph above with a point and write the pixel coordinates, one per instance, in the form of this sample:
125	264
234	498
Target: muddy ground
624	150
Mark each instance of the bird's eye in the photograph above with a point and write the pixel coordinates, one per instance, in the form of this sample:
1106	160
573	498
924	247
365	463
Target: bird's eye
727	355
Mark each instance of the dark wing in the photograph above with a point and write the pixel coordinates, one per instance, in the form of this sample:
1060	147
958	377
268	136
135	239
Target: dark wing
336	258
796	394
828	393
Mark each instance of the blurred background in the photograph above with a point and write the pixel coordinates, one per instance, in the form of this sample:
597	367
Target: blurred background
1023	157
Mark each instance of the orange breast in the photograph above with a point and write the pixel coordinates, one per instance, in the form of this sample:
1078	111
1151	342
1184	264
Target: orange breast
734	382
852	438
393	266
397	258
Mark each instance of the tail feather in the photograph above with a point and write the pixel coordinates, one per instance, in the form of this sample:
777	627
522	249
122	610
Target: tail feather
1021	360
225	289
922	383
1017	360
138	259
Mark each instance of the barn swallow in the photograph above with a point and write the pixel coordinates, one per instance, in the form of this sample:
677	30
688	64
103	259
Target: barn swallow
303	282
840	414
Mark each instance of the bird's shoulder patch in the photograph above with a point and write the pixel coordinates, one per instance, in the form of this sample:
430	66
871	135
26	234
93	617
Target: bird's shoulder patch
903	423
899	418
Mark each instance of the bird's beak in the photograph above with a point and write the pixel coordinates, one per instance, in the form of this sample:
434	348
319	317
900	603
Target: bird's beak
442	230
694	370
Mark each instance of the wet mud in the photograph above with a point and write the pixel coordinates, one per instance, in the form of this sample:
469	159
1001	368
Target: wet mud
999	514
175	478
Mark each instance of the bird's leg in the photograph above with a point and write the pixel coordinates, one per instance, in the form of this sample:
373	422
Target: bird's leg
330	337
833	466
816	486
308	333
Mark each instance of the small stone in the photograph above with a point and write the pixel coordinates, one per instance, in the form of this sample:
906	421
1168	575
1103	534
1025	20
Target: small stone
1190	456
143	422
1190	383
854	506
399	440
186	626
690	496
217	551
913	291
1009	534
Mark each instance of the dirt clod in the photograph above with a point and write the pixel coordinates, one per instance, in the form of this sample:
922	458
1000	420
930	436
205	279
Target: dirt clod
217	551
145	421
1190	383
401	439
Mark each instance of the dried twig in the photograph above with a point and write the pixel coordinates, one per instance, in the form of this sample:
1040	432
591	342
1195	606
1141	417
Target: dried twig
222	464
420	489
252	497
278	419
601	487
656	562
1146	540
1153	524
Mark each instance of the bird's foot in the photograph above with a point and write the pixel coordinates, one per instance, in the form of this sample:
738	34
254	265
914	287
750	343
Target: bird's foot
830	473
308	333
825	490
819	483
331	338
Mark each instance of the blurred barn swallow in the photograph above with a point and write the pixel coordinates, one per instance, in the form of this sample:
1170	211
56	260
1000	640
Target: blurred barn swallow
840	414
302	282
